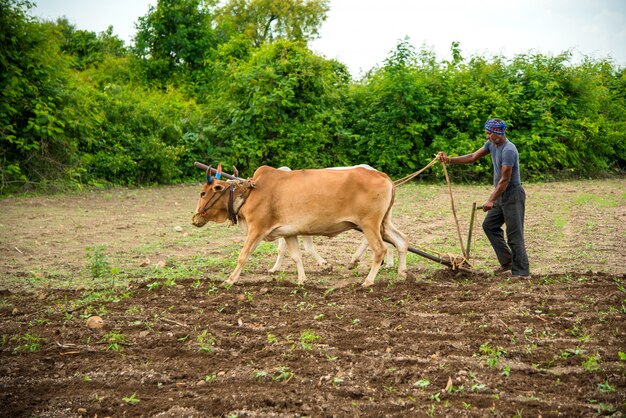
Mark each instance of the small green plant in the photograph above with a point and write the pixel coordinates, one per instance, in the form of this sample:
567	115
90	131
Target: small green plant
115	340
133	310
491	354
592	363
606	387
98	265
336	381
153	285
205	342
132	399
31	343
622	356
506	371
260	374
431	410
271	339
282	374
307	338
422	383
210	378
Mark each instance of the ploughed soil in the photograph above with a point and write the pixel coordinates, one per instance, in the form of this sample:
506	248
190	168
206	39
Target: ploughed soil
176	343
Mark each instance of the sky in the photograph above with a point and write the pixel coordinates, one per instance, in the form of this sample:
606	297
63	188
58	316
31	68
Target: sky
362	33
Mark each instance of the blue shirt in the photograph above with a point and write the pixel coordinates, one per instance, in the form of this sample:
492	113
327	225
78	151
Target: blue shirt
506	154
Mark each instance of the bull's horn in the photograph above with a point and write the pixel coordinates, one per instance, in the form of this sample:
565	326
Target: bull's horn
209	178
218	173
235	172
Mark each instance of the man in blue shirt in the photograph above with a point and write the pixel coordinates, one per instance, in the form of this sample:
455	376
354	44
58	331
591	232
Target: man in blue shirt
506	203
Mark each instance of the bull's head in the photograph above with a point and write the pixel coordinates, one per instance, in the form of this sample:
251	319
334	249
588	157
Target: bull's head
212	205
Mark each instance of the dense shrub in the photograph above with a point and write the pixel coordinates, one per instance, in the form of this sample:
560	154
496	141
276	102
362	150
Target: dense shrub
79	108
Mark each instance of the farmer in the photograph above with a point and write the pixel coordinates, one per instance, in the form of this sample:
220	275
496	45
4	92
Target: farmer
506	203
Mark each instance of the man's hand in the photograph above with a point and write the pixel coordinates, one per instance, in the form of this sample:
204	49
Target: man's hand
487	206
441	156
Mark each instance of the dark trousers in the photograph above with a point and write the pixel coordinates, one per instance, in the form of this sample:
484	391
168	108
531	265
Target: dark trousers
509	210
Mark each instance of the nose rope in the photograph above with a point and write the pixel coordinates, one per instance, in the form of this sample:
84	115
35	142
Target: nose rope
212	202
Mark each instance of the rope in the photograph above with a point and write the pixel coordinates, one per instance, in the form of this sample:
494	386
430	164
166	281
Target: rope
456	220
403	180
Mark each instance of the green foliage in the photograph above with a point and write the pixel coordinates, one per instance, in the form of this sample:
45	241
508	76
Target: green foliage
235	82
174	39
264	21
280	107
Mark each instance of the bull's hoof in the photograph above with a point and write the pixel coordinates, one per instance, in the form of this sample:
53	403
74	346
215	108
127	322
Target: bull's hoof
272	270
403	274
352	264
366	284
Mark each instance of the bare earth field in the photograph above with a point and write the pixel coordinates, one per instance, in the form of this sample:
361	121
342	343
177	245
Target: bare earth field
176	343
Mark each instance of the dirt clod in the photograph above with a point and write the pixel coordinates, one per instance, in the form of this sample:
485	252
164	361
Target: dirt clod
95	322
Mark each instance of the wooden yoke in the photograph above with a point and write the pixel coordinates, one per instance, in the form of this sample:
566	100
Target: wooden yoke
205	167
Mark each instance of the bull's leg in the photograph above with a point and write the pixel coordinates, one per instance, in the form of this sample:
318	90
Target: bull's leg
282	248
391	234
294	251
310	248
358	253
388	257
377	245
252	241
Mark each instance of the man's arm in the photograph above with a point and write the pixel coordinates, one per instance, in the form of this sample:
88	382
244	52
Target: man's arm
463	159
507	171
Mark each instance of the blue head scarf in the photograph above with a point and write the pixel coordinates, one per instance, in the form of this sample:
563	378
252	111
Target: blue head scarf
495	126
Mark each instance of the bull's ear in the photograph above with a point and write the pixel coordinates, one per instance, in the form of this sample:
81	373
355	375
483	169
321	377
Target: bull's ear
209	178
218	187
218	174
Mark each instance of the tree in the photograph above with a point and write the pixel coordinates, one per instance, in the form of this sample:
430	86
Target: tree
268	20
174	39
86	47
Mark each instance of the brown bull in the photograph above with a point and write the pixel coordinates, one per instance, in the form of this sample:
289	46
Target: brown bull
284	204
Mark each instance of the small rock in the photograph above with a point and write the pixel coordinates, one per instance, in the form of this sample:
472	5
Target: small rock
42	296
201	383
241	298
14	311
80	288
144	334
81	411
95	322
160	264
264	290
145	262
178	228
